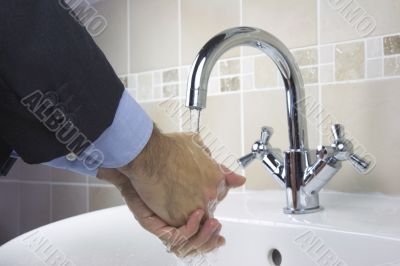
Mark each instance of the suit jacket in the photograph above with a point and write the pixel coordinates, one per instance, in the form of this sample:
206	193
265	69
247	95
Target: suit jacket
50	70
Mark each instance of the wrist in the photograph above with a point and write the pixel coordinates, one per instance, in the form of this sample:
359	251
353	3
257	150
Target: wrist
149	160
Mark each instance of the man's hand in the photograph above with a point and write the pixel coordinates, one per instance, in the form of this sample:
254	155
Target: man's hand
189	239
175	175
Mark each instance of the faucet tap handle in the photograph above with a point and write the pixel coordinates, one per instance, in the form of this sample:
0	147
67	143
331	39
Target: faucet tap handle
266	133
245	160
344	150
337	131
359	164
259	147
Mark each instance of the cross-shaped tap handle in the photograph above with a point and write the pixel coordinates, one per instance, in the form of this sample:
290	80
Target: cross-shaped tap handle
344	149
258	148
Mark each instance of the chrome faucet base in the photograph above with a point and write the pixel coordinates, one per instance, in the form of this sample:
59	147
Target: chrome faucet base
302	211
301	179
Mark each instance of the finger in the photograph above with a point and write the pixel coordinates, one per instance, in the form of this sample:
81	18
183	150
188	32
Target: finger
220	242
193	224
232	179
212	243
205	234
175	236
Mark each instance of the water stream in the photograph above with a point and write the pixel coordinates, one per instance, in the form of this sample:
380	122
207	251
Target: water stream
211	258
195	120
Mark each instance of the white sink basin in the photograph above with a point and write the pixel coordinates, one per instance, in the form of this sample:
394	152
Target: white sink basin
352	230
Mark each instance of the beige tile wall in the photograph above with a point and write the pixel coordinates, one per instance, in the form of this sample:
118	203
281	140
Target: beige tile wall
153	34
374	129
276	17
201	20
351	70
35	195
352	46
117	31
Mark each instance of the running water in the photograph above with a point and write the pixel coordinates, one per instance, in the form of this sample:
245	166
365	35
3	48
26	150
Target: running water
211	258
195	120
208	259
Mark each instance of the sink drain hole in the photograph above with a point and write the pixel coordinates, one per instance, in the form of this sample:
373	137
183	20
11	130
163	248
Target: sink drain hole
275	257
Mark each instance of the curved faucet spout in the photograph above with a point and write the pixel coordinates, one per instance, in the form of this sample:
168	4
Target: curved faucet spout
277	51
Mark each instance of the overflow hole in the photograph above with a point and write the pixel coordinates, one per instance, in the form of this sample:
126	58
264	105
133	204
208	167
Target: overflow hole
275	257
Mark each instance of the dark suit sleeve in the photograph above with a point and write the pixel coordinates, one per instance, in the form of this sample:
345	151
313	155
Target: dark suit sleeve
44	48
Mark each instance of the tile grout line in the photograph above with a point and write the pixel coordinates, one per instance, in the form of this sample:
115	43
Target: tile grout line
19	206
241	97
382	54
55	183
320	133
350	81
365	59
292	50
128	34
180	61
87	194
51	197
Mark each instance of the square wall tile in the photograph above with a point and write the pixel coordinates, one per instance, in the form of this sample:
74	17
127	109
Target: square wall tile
113	41
309	74
213	86
368	111
184	73
391	44
9	210
349	60
166	114
153	34
273	16
248	82
348	20
145	87
14	173
326	54
104	197
201	20
34	206
265	72
132	81
157	78
230	84
374	68
305	57
34	172
374	47
392	66
60	175
171	75
68	200
220	128
248	65
327	73
230	67
171	90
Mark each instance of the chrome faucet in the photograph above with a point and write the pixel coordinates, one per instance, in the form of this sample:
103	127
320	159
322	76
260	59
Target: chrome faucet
301	179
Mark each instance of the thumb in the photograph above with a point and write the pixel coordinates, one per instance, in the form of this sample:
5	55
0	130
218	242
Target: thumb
232	179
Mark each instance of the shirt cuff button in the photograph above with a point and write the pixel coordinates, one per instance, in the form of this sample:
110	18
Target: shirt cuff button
71	157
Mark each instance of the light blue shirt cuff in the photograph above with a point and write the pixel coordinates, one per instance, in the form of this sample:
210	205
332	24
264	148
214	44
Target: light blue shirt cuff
120	143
